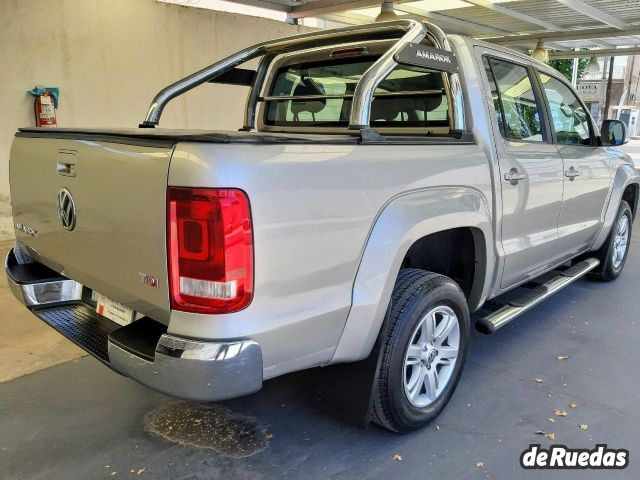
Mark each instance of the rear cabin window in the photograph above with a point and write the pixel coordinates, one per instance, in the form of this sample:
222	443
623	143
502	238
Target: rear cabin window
320	94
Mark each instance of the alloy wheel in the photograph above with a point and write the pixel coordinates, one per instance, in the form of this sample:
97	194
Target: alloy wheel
430	359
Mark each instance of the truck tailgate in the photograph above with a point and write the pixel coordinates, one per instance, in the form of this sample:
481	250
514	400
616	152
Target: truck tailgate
117	245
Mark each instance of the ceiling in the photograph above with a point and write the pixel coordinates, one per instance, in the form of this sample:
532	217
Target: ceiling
562	24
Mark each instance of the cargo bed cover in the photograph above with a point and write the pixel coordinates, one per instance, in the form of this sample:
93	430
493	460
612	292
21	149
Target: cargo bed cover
169	137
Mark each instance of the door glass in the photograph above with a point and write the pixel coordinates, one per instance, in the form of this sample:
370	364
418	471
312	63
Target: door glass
495	96
570	120
515	101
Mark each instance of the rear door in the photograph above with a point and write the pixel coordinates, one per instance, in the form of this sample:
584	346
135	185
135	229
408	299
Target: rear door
530	167
587	167
111	233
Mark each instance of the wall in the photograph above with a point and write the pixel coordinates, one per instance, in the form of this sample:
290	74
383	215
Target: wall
109	58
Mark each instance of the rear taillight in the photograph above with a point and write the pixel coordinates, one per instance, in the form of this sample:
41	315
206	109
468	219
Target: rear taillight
210	248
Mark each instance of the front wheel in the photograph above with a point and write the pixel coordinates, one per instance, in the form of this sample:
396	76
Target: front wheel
423	352
613	254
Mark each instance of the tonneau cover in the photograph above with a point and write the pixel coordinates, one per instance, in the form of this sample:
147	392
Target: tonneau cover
169	137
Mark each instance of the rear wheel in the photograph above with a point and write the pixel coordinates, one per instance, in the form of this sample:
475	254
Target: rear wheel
424	350
613	254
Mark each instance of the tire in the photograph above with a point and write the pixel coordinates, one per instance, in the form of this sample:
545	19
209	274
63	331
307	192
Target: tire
612	258
396	405
22	257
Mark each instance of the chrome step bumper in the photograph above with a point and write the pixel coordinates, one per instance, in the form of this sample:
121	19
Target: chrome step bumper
36	285
142	350
515	308
81	324
203	371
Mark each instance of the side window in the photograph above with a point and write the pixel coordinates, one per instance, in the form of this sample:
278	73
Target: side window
570	120
320	94
515	101
495	96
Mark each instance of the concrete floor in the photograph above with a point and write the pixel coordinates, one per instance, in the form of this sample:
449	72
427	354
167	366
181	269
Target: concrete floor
78	420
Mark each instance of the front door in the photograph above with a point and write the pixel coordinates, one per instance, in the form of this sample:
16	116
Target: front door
587	168
531	172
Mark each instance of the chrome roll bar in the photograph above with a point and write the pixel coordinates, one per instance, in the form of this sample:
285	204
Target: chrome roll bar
376	73
456	109
413	32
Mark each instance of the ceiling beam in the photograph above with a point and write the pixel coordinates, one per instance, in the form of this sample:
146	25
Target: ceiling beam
325	7
603	52
347	18
602	43
513	14
557	46
583	34
436	17
591	11
262	4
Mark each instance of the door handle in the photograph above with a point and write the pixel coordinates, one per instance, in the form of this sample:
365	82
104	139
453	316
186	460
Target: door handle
66	169
67	163
514	176
572	173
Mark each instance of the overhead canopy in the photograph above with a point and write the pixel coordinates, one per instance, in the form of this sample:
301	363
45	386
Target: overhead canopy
562	24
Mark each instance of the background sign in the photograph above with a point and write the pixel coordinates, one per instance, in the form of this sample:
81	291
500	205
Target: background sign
590	91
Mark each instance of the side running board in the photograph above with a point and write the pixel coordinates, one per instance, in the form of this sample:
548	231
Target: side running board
533	297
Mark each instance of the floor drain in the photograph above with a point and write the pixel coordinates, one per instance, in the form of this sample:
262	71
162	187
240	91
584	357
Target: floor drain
207	426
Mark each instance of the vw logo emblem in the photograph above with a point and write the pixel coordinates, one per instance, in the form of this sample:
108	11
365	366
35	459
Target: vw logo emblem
66	209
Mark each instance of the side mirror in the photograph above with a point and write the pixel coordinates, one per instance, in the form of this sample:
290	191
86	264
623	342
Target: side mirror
613	133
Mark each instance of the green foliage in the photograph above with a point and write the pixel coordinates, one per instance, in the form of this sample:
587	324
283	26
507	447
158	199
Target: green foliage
565	66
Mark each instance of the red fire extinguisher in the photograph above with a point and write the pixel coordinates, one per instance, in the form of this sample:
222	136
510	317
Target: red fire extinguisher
45	110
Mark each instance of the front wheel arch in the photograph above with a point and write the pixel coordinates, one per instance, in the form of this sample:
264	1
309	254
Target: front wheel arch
611	265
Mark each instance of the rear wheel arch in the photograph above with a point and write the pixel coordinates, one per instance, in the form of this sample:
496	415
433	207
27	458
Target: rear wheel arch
402	223
458	253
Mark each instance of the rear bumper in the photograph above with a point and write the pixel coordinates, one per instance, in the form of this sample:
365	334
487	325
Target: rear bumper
205	371
180	367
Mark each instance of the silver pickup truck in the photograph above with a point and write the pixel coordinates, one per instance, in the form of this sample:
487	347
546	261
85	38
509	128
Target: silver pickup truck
388	181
